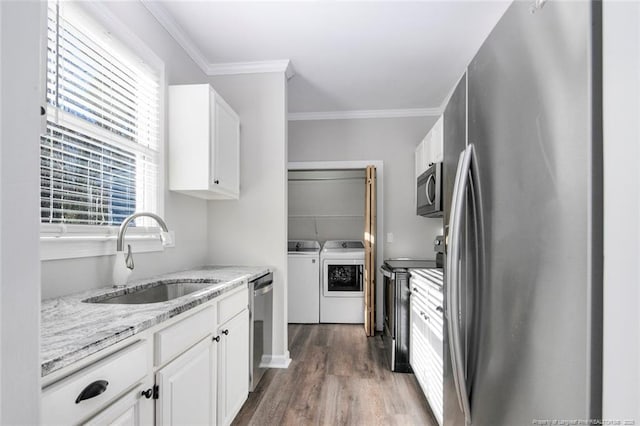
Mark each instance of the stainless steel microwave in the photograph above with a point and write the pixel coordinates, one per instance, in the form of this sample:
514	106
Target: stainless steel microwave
429	192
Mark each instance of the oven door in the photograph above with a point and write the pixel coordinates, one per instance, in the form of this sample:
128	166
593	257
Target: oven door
389	302
343	278
389	313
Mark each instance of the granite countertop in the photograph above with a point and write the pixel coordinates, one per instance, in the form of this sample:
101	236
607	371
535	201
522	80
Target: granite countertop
72	329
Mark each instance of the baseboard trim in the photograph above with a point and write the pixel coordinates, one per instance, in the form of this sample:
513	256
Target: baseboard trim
275	361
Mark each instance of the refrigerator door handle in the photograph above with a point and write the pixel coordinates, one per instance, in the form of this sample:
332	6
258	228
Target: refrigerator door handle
451	315
475	209
453	282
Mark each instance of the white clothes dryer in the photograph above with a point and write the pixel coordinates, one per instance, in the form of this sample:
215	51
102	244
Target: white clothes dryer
342	282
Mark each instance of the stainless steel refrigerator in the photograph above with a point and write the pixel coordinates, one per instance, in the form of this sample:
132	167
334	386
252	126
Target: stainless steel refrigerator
523	194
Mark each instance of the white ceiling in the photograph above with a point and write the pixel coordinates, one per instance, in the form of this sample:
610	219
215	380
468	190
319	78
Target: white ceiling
347	56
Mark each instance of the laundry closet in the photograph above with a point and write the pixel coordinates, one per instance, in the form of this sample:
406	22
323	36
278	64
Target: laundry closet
327	217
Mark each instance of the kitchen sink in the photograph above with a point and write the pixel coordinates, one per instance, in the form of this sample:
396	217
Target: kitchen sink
161	291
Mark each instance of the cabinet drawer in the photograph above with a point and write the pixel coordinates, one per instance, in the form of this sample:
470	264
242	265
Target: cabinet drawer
232	305
128	410
120	370
175	339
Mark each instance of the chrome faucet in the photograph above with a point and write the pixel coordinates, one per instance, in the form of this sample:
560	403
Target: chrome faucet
119	274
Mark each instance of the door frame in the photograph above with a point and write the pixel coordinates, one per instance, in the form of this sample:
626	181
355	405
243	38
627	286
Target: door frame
360	164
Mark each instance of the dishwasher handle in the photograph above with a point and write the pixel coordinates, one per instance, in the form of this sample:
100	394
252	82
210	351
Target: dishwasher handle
263	290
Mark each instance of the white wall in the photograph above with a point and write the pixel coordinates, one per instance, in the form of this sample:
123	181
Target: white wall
186	215
253	229
20	90
324	210
621	72
392	140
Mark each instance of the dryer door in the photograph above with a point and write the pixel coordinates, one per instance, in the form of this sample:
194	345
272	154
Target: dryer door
343	277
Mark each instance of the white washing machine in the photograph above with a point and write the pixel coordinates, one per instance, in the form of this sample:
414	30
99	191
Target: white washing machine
342	282
303	297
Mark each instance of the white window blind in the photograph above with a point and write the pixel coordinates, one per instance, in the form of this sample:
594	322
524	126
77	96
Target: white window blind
99	159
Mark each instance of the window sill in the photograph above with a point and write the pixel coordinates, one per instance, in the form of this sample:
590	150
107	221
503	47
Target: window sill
63	245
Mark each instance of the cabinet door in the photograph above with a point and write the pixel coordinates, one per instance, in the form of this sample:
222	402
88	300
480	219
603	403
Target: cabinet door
434	332
226	147
419	344
419	159
437	142
186	387
133	409
414	340
233	367
418	347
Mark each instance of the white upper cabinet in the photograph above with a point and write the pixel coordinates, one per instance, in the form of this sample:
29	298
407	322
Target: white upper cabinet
204	143
436	147
431	149
421	166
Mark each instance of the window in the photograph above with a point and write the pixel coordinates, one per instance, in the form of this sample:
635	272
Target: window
100	158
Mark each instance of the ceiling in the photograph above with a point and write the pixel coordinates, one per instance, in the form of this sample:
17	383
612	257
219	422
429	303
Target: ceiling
347	56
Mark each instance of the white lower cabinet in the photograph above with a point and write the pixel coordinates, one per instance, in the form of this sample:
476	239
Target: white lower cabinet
82	394
426	340
133	409
186	387
190	371
233	366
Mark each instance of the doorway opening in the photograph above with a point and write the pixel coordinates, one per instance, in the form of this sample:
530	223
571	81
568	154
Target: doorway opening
337	202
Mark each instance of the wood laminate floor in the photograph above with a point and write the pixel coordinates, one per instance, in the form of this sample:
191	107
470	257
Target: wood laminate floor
337	376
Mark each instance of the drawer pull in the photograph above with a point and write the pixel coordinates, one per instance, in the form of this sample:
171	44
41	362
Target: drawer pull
439	309
148	393
94	389
216	339
225	332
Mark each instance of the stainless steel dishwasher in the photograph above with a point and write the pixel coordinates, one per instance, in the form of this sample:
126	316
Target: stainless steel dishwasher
261	325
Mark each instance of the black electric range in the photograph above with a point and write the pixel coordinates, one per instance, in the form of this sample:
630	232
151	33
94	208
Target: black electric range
396	308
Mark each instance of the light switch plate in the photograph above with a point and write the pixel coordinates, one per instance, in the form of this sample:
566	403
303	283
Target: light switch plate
389	237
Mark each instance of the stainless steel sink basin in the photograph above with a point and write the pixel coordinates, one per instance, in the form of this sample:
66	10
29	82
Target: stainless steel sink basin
160	291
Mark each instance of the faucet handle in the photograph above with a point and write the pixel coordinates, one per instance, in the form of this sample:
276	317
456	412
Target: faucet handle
129	259
166	239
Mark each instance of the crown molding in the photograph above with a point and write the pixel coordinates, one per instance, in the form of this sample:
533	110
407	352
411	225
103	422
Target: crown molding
175	30
180	36
358	114
231	68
